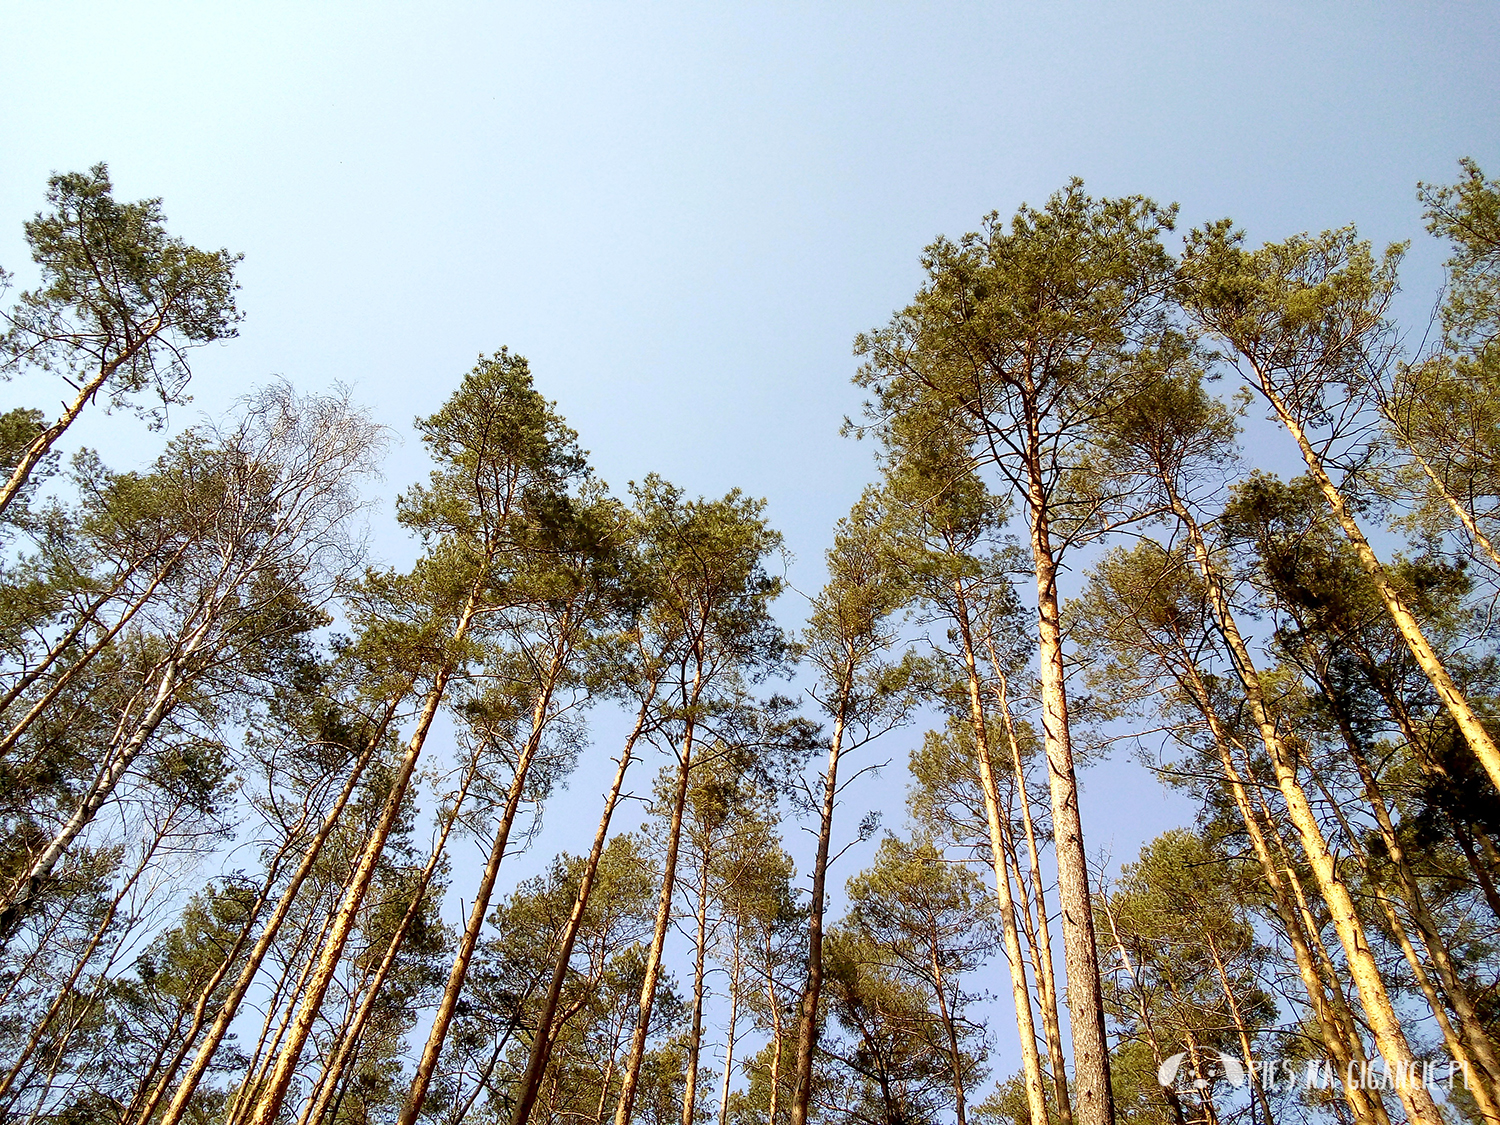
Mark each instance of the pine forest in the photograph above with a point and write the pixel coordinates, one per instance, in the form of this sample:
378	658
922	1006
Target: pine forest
294	836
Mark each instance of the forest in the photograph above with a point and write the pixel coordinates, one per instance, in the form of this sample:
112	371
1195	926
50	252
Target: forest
245	765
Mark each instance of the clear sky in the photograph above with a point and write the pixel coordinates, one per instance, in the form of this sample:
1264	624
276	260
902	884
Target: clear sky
683	213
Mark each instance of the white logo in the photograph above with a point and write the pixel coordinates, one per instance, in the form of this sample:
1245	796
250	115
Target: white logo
1233	1069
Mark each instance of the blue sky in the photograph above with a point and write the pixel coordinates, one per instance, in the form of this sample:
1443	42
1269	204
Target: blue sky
682	214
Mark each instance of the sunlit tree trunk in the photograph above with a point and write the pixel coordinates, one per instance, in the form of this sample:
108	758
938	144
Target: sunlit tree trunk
230	1005
541	1045
427	1064
1376	1002
632	1076
1031	1066
812	989
1094	1102
287	1060
1046	976
1422	652
700	958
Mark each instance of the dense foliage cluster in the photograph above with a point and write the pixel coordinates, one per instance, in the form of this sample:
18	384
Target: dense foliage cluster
258	794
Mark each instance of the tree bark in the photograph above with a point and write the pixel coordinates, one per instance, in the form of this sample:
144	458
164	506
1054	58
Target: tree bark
1457	704
632	1076
807	1016
1384	1023
695	1031
286	1063
541	1045
427	1064
1046	976
1094	1101
1031	1066
172	1115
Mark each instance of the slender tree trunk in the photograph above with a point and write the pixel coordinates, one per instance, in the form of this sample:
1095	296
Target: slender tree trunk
116	762
231	1003
734	1013
1481	874
695	1032
1336	1034
632	1076
954	1053
1257	1091
1384	1023
470	940
44	441
79	964
807	1016
1046	976
1463	715
1031	1066
1465	517
55	651
776	1037
1153	1041
267	1111
1094	1102
1475	1038
255	1077
541	1045
1459	1046
348	1044
161	1080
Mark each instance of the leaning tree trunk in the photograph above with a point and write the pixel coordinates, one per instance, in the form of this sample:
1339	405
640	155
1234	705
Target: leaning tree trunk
1457	704
267	1111
331	1079
230	1006
630	1080
1041	948
1384	1024
1335	1031
427	1064
541	1045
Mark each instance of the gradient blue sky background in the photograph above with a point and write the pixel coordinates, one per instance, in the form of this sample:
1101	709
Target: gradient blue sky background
682	214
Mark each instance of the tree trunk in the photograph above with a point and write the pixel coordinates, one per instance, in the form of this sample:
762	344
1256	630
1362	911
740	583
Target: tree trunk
734	1013
776	1044
267	1111
1046	976
695	1032
1257	1091
1465	517
231	1004
541	1045
632	1076
1093	1098
807	1017
79	964
952	1033
1468	723
348	1044
1031	1066
1383	1021
116	762
1152	1039
44	441
449	1002
1336	1035
1475	1039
